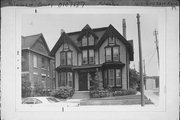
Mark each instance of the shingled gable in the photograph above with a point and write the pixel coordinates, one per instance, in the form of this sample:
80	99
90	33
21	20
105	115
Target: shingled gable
64	38
87	29
110	31
29	41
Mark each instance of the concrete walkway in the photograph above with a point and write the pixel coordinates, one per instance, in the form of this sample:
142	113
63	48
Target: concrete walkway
152	95
81	95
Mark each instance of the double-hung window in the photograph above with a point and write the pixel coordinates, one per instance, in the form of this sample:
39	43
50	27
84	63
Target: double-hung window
34	61
91	40
112	53
91	56
69	79
118	77
66	79
43	64
84	41
69	58
108	54
115	53
85	57
88	56
113	77
66	57
63	58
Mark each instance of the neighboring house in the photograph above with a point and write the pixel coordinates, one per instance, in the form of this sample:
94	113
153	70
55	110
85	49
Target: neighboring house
151	82
37	65
79	55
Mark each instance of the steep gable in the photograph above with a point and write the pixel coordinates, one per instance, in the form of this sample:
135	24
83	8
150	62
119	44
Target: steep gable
86	31
63	39
40	46
36	43
99	33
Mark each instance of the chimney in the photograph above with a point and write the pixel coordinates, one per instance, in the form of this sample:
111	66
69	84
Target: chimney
62	31
124	28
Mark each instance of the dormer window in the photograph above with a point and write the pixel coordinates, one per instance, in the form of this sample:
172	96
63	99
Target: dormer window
88	41
91	40
84	41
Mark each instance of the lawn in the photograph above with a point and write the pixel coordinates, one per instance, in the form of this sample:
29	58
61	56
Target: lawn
118	100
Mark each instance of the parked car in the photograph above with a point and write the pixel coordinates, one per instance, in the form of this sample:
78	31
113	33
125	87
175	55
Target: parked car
48	100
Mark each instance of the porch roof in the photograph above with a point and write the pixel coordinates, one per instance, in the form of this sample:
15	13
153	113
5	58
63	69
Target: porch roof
86	67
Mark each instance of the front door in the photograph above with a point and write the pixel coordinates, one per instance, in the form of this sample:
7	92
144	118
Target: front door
83	84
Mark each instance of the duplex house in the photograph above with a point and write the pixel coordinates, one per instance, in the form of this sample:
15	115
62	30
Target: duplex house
37	65
80	55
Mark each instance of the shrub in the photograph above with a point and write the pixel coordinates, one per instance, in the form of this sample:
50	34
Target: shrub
124	92
62	92
26	88
99	93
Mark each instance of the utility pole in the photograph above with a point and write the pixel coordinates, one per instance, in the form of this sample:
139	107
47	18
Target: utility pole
140	61
144	74
157	46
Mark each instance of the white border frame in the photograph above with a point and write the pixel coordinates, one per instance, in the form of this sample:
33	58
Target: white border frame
16	47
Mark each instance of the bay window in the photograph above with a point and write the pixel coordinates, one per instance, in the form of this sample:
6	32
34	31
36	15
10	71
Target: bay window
118	77
69	79
65	79
112	78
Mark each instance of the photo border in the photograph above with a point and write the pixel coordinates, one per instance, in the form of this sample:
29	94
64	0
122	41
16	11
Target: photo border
96	10
11	65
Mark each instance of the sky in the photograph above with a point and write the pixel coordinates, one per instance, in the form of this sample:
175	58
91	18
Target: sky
50	26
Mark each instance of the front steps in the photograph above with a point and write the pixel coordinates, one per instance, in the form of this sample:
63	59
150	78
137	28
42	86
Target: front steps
81	95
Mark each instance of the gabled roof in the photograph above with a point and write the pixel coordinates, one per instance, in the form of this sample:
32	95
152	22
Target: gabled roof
29	41
63	39
87	29
110	31
101	33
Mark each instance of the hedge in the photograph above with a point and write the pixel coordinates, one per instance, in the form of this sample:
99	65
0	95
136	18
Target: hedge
99	93
63	92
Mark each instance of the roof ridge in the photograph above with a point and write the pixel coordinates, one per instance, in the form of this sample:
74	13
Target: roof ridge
33	35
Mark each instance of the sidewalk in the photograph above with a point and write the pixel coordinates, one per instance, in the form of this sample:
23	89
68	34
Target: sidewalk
152	95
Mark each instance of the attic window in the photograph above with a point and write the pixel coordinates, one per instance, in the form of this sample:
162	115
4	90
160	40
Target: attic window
66	47
84	41
91	40
111	40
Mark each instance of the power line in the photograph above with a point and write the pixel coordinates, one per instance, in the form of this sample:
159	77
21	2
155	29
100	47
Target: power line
151	58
